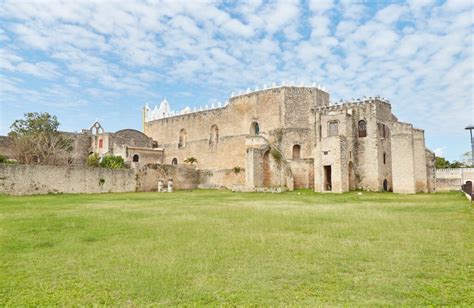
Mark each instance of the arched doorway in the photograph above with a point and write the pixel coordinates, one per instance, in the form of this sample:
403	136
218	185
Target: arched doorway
352	180
174	161
135	158
267	177
385	185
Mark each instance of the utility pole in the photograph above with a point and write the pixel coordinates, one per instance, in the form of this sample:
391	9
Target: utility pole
471	128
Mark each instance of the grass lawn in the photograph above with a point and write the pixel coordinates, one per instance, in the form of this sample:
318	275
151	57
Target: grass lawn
217	247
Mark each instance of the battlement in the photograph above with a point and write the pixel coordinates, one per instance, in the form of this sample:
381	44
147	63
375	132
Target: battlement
346	105
164	111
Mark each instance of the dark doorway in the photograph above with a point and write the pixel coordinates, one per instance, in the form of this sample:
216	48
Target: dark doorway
327	178
174	161
135	158
385	185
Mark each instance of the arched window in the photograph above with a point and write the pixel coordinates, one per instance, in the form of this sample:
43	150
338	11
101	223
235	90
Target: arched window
385	185
333	128
254	129
135	158
214	136
174	161
296	151
362	127
182	138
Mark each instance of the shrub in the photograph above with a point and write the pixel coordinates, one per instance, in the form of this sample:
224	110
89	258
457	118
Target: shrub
190	160
112	162
237	169
3	159
93	160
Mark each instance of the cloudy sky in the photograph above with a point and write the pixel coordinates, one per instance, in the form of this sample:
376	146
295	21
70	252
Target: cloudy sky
87	60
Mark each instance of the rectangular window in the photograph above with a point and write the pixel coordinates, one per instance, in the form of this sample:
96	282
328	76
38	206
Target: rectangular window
101	143
333	129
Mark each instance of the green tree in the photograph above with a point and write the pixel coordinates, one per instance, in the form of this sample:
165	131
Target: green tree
36	140
441	163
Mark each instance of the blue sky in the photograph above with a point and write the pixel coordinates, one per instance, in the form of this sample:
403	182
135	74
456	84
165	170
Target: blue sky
88	60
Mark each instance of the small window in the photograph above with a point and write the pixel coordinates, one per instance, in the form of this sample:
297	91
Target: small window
182	138
333	129
320	132
214	136
296	151
135	158
254	129
174	161
101	143
362	127
383	130
384	158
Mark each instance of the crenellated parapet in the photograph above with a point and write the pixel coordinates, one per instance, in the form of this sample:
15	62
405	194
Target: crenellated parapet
353	103
164	111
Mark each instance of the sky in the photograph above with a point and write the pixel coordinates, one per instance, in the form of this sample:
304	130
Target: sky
88	60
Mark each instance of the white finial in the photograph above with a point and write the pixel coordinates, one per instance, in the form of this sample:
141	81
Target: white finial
240	92
302	83
206	107
313	84
212	106
200	108
264	86
226	103
248	90
195	109
256	88
319	87
232	94
292	83
283	83
274	85
219	105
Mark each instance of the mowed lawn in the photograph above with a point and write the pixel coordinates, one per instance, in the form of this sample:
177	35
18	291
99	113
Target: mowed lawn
208	247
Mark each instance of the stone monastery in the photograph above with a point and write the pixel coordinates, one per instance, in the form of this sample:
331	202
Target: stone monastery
284	137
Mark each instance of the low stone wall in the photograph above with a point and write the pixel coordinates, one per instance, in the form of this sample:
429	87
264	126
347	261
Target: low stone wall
453	178
183	176
222	178
34	179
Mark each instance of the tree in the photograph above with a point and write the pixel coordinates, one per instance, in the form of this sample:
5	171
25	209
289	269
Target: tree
36	140
190	160
441	163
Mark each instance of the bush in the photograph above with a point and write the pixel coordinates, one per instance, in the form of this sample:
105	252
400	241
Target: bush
93	160
3	159
112	162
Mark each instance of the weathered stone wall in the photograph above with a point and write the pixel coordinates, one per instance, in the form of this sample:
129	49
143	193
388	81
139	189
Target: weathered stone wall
403	158
223	178
183	176
419	155
273	110
453	178
35	179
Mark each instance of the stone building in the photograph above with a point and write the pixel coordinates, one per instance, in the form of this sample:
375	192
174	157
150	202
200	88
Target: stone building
132	145
290	137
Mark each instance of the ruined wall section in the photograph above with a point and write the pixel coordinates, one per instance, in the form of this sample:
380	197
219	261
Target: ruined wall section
403	158
419	154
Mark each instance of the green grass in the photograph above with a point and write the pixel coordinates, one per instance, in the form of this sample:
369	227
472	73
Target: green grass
217	247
